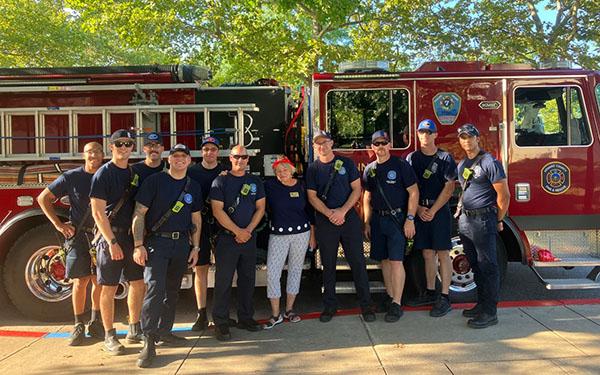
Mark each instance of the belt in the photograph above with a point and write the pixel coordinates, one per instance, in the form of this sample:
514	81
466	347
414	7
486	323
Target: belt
394	212
427	202
170	235
480	211
120	230
87	230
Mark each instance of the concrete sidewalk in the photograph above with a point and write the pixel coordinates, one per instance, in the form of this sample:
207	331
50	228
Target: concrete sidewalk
549	340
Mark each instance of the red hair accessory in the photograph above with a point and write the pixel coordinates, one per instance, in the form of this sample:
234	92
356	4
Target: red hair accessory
283	160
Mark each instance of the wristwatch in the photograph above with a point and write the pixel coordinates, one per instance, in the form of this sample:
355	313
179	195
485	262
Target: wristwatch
113	241
410	217
196	248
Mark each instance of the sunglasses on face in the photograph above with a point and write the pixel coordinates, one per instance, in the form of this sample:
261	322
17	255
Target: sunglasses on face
381	143
238	157
121	144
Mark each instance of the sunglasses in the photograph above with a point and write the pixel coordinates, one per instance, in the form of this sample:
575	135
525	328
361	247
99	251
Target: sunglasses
238	157
381	143
121	144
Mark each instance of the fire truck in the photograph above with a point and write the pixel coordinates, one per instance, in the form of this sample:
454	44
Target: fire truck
542	124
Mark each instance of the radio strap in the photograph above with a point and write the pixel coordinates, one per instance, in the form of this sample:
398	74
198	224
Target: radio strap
337	166
432	167
467	178
386	200
176	207
243	193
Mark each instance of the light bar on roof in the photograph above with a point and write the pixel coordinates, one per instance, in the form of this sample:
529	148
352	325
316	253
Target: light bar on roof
364	65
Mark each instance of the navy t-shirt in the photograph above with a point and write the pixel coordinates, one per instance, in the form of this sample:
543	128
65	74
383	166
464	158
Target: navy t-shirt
227	188
394	176
480	192
204	176
76	184
143	171
160	192
442	171
109	184
317	176
289	210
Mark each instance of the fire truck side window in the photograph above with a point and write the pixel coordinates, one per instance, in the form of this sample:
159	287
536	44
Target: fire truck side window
353	115
550	116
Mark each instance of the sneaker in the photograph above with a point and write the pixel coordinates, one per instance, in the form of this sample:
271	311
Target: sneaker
273	321
483	320
291	316
135	334
170	339
472	312
394	313
422	300
201	322
327	315
249	325
147	354
368	315
112	345
95	329
77	335
442	307
222	332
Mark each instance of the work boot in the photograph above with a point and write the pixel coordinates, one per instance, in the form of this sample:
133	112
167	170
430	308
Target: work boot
201	322
442	307
148	353
327	315
95	329
394	313
111	344
222	332
472	312
135	334
78	334
483	320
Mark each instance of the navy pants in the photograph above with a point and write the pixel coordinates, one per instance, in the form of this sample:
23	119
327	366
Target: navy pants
230	257
478	236
166	264
349	234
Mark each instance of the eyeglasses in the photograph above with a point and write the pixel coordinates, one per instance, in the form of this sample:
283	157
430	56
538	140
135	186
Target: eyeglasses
121	144
380	143
238	157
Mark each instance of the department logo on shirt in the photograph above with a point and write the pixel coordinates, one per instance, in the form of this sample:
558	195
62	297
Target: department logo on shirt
253	188
342	171
391	175
477	171
188	198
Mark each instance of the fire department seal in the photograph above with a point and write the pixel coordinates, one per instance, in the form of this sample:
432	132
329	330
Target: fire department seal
446	106
556	178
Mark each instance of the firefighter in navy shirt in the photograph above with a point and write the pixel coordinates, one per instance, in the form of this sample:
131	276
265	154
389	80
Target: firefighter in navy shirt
204	173
333	184
153	163
483	205
389	203
76	185
114	185
436	172
167	205
238	204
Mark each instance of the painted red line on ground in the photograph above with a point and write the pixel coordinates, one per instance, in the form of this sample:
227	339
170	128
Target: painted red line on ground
7	333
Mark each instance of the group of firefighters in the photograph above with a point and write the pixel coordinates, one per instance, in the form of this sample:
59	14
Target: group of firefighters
148	222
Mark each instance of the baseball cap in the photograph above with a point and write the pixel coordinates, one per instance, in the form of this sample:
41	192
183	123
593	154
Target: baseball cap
469	129
212	140
427	124
152	137
179	148
121	133
380	134
321	134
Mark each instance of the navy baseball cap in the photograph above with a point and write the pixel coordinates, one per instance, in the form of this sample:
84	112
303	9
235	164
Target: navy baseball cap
152	137
321	134
179	148
380	134
121	133
212	140
469	129
427	124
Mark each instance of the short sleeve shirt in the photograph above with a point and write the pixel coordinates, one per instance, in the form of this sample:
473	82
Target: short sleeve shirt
480	193
75	184
204	177
109	184
287	206
227	189
394	176
318	175
143	171
442	170
159	193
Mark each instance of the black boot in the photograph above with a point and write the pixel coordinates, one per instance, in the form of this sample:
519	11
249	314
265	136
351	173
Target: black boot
148	352
201	322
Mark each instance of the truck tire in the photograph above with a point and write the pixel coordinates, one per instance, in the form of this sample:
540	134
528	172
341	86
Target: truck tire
462	285
34	276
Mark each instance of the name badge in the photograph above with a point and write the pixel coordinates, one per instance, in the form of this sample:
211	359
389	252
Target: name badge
294	194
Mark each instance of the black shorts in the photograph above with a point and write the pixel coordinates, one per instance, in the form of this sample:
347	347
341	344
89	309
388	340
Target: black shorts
435	234
79	260
110	271
387	238
205	248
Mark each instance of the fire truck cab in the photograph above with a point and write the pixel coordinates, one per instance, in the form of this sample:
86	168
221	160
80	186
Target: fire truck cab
542	124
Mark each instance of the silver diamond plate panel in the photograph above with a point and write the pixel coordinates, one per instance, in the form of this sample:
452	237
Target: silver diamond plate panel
567	243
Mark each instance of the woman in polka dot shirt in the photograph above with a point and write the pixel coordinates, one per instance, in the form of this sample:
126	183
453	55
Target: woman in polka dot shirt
292	233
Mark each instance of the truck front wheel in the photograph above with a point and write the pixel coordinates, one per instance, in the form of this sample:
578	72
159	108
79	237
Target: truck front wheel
34	276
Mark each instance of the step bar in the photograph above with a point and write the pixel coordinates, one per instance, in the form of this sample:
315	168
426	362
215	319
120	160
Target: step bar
347	287
589	282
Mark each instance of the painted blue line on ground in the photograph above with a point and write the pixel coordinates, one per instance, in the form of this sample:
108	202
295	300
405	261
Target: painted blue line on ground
64	335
